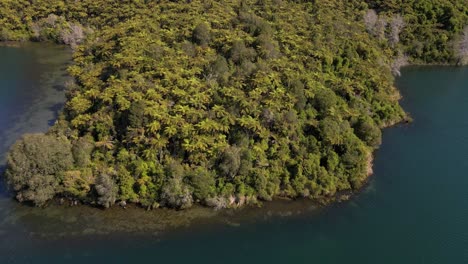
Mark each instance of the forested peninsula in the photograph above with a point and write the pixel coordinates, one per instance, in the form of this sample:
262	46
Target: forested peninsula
222	103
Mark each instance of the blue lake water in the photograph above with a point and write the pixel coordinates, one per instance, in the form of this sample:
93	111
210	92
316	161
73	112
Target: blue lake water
414	210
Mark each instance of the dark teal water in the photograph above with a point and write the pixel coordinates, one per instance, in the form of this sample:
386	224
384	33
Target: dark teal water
415	209
32	80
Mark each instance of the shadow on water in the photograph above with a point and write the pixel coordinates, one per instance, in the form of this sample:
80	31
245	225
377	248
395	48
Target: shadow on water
55	109
59	87
3	188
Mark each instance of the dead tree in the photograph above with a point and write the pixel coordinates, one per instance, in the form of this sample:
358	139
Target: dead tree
370	19
396	26
462	48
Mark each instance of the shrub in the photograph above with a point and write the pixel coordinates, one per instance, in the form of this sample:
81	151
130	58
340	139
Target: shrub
203	183
366	129
175	193
35	164
201	34
82	150
106	190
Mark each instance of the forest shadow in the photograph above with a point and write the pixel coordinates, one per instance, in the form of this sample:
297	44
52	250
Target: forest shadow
56	108
3	186
59	87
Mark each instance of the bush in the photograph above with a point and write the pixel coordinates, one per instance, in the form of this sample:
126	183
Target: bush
368	131
35	164
78	183
230	162
82	150
201	34
175	193
126	185
106	190
203	183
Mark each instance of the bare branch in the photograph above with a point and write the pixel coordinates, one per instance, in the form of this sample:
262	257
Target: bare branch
370	19
396	26
462	48
380	28
375	24
400	61
74	35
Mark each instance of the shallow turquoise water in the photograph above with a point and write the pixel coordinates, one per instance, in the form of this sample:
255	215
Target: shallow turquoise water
415	209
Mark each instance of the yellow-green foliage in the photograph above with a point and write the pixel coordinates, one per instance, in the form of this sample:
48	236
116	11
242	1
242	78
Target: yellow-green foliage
210	100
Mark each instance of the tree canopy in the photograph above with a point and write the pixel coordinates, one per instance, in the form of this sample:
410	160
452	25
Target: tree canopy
221	103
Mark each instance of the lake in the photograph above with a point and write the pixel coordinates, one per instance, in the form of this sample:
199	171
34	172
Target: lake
414	209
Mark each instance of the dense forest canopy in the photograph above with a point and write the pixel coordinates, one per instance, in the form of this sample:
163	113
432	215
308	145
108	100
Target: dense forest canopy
222	103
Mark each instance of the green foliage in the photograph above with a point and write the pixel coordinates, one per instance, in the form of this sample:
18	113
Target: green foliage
35	166
77	183
126	184
82	150
201	34
203	183
230	162
247	101
368	131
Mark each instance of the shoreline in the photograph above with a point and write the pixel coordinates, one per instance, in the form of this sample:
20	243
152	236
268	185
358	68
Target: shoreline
319	202
234	202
